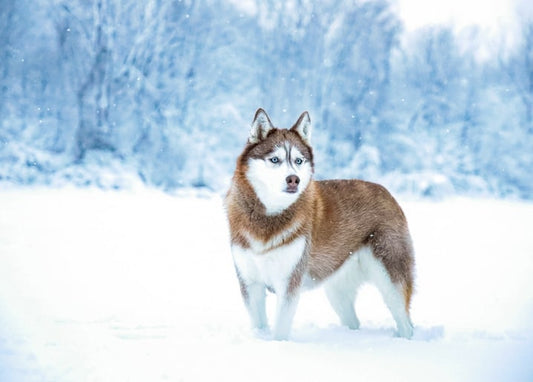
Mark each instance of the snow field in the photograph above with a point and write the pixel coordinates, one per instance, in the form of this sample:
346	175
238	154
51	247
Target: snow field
140	286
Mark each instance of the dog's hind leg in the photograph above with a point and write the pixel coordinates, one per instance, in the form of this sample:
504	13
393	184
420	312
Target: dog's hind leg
342	302
393	293
341	290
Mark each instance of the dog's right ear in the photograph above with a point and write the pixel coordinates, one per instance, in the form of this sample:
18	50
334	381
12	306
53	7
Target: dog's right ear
260	126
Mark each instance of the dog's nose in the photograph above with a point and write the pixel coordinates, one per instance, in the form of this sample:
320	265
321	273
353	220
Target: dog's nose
292	181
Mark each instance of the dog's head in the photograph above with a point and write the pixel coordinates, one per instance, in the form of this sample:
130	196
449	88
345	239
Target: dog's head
278	162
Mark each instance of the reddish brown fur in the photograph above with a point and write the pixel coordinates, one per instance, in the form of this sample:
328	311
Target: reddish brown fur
350	214
337	217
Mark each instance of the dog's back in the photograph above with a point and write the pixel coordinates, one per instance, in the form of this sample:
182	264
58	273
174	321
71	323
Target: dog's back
352	214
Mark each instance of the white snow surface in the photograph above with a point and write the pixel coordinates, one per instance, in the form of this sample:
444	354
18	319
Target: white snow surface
140	286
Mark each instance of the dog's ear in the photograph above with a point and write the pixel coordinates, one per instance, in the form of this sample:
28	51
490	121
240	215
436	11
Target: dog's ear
303	127
260	126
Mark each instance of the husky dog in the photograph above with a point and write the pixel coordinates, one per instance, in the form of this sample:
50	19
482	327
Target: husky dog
290	232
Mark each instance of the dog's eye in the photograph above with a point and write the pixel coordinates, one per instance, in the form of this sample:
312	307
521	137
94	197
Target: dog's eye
299	161
274	160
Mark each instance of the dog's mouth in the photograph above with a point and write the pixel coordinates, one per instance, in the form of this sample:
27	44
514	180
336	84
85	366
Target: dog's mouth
291	190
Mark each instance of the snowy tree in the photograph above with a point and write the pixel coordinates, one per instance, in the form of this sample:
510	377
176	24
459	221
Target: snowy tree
519	68
166	90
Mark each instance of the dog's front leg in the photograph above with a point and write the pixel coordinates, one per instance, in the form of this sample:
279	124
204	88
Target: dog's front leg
286	308
254	296
252	287
255	303
288	297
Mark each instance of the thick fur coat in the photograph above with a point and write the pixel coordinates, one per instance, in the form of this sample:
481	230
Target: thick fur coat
290	232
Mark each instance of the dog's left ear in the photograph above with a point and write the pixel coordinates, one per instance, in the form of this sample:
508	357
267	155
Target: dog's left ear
303	127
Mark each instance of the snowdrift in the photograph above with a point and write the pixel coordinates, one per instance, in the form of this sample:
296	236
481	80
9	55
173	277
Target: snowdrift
140	286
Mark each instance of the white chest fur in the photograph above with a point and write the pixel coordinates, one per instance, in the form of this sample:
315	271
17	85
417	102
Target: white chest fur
272	268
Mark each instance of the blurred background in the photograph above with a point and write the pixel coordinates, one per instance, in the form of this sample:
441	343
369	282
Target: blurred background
429	98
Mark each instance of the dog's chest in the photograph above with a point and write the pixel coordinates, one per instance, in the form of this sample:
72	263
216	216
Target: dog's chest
281	239
273	267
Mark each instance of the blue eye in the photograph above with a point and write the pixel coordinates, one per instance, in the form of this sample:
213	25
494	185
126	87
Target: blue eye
274	160
299	161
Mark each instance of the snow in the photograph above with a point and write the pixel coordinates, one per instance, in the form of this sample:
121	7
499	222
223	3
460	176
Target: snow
139	286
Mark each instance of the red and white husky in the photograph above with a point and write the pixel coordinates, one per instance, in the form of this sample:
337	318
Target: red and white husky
290	232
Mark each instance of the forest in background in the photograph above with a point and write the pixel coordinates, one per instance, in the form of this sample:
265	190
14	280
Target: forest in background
96	92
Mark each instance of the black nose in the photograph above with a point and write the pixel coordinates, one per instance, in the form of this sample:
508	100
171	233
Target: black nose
292	181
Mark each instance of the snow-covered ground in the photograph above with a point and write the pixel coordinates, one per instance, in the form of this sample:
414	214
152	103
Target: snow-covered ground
140	286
